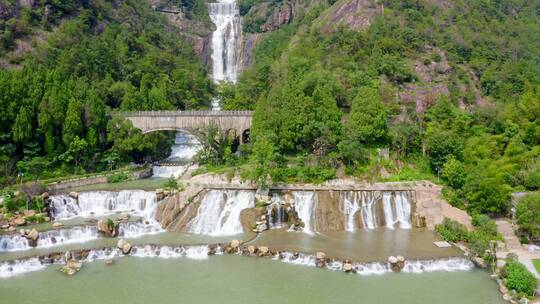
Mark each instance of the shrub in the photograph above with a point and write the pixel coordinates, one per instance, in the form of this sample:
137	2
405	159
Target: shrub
452	231
38	218
453	172
118	177
520	278
485	225
528	215
171	183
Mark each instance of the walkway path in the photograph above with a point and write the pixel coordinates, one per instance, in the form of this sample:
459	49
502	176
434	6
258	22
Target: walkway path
513	245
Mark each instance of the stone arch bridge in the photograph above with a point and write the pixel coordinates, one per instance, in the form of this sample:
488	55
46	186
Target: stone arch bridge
187	121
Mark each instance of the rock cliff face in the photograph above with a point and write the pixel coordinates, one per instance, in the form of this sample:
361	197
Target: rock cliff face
175	212
354	14
282	14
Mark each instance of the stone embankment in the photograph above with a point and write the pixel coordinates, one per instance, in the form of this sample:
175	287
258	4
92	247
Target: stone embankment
61	186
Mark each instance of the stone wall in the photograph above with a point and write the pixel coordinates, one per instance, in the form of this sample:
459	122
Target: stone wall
94	180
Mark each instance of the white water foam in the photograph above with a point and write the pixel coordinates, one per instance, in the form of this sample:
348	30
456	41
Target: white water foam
10	269
100	203
219	212
304	203
225	40
350	207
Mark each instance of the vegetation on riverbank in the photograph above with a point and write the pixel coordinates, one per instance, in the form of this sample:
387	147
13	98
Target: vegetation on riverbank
478	239
528	217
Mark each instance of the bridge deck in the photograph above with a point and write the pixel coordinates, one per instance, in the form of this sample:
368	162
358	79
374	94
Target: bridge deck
183	113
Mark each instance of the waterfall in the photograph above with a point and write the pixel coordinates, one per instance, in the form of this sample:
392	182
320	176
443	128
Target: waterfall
77	234
304	203
225	40
368	218
100	203
350	208
184	149
397	209
219	212
276	213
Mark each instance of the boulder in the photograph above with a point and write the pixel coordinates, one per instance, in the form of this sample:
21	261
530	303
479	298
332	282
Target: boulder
252	249
29	213
124	246
31	235
45	195
320	259
396	263
18	221
263	251
74	194
347	266
57	224
72	267
478	261
11	229
109	262
5	226
212	249
108	227
234	244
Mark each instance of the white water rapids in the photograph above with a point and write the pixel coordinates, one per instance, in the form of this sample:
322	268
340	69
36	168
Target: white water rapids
219	212
101	203
184	149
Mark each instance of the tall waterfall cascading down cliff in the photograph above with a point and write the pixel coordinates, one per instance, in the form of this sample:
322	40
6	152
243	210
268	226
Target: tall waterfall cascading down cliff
226	40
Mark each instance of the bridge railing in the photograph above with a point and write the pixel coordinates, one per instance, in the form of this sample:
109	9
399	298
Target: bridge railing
182	113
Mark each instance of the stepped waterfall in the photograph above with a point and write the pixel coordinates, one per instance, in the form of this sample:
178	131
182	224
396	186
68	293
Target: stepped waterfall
219	212
92	204
185	147
226	40
360	209
101	203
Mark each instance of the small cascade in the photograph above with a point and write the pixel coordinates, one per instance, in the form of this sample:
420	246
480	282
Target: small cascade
397	209
184	149
389	208
219	212
379	268
78	234
226	40
100	203
368	217
10	269
350	207
276	213
304	204
137	229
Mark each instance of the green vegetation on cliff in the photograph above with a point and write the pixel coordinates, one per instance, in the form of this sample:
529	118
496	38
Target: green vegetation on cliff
455	85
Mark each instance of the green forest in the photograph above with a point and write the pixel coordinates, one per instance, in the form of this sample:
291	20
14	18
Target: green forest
101	56
441	90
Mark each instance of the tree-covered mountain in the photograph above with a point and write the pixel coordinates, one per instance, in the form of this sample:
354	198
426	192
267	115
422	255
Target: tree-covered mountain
378	89
451	88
